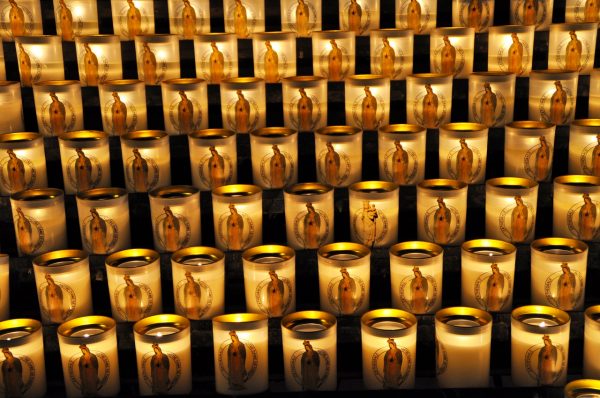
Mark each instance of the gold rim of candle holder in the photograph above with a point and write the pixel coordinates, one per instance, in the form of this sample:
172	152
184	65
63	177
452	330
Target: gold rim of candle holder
276	35
154	38
332	249
144	135
431	78
214	34
115	260
589	122
464	127
371	318
211	134
37	39
368	78
27	325
442	184
582	388
273	132
493	76
338	131
240	321
241	81
68	328
34	194
574	247
57	83
395	32
83	136
446	315
143	326
530	126
204	252
576	26
403	128
174	192
560	317
99	194
580	181
551	74
237	190
14	138
471	247
505	29
300	81
504	185
321	318
453	31
184	81
593	314
308	189
48	261
416	246
97	38
252	255
373	187
115	85
333	31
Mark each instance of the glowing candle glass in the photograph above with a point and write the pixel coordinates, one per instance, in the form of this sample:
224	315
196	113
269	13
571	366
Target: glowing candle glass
428	99
216	56
302	17
274	153
157	58
213	158
582	388
417	15
463	152
536	13
392	52
575	204
58	106
24	154
274	55
338	151
40	58
187	19
123	106
243	104
591	343
510	49
367	101
552	96
572	46
402	153
452	51
4	287
185	105
11	120
146	160
492	98
75	18
132	17
98	58
583	141
27	19
359	16
594	94
529	150
244	17
304	102
477	15
333	54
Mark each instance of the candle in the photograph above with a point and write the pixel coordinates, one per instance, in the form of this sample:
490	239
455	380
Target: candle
134	284
583	140
199	282
594	94
572	46
58	106
28	21
401	150
163	352
488	274
359	16
576	11
367	101
575	205
216	56
591	343
344	278
302	17
304	102
123	106
243	104
477	15
428	99
40	58
558	273
274	55
536	13
4	286
75	18
98	58
539	346
157	58
416	274
146	160
131	18
452	51
463	341
11	120
333	54
552	96
463	152
213	158
510	49
185	105
529	150
582	388
274	154
90	361
104	220
189	19
39	220
417	15
23	154
244	17
309	351
492	98
234	334
338	154
392	52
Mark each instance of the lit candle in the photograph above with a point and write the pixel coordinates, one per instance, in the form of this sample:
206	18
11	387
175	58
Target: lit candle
419	16
539	346
583	140
189	19
40	58
402	153
452	51
131	18
11	120
244	17
185	105
164	357
274	154
531	13
333	54
216	56
576	11
572	46
594	94
338	154
367	101
123	106
157	58
552	96
463	152
575	204
510	49
243	104
27	23
591	343
24	154
529	150
146	160
274	55
583	388
75	18
359	16
98	58
392	52
492	98
4	286
304	102
90	360
213	158
428	99
58	106
479	16
302	17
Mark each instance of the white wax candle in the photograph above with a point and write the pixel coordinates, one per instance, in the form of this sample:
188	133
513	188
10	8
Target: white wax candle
29	25
367	101
185	105
428	99
529	149
244	17
572	46
591	343
492	98
303	18
23	153
575	204
421	19
98	58
452	51
392	52
131	19
583	141
213	158
216	56
243	104
274	153
463	152
333	54
4	287
188	20
510	49
274	55
58	106
10	100
146	160
123	106
75	18
40	58
157	58
359	16
338	155
541	18
480	19
553	96
401	152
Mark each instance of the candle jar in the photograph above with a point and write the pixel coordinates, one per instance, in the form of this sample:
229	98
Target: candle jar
582	388
402	153
40	58
22	342
591	343
63	285
452	51
233	334
75	18
58	106
104	220
510	209
463	152
463	343
23	154
11	120
338	151
98	58
237	212
216	56
578	11
428	99
558	272
213	158
417	15
309	211
333	54
539	346
373	208
344	278
123	106
594	94
442	211
510	49
243	104
478	15
575	202
175	213
146	160
163	349
244	17
491	98
274	55
274	154
367	101
131	18
583	140
309	340
359	16
416	274
157	58
572	46
536	13
552	96
270	280
39	220
187	19
4	286
134	284
301	16
304	102
199	282
185	105
392	52
27	20
488	274
529	150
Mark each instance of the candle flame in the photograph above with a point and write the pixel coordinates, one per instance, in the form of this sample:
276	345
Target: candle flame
543	324
86	335
159	334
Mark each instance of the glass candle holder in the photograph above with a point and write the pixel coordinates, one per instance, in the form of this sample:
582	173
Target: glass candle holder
417	15
274	153
304	102
274	55
452	51
359	16
237	212
539	346
164	359
338	151
392	53
233	334
463	342
75	18
39	220
591	343
199	282
216	56
367	101
185	105
301	16
344	278
189	18
40	58
442	211
104	220
23	154
175	213
213	158
463	152
583	141
572	46
478	15
529	150
428	99
582	388
58	106
309	340
98	58
510	209
552	96
90	360
575	204
333	54
131	18
373	209
243	104
558	273
63	285
402	153
4	286
244	17
157	58
22	341
123	106
23	18
488	274
510	49
309	214
11	120
594	94
146	160
270	280
536	13
492	98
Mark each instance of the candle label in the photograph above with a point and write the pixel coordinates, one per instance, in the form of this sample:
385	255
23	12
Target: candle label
488	107
141	171
161	370
93	69
120	116
448	57
333	166
58	115
346	293
172	230
274	295
414	16
16	20
277	168
538	160
235	229
369	224
391	364
545	362
335	60
193	297
583	220
557	105
401	164
572	53
270	65
57	300
589	158
584	11
390	58
304	111
478	18
89	370
17	173
418	292
134	300
311	227
240	17
84	171
301	20
30	233
18	374
190	20
429	108
30	66
513	58
100	233
464	162
442	222
492	289
185	113
216	168
368	110
151	66
217	60
310	366
242	113
517	220
441	358
529	12
133	20
355	16
564	289
238	361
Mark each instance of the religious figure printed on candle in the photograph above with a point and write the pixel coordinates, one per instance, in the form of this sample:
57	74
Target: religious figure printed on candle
193	296
271	64
100	233
30	67
583	219
120	116
16	19
556	105
185	113
441	358
172	230
161	370
530	12
310	366
369	224
368	111
492	289
133	20
302	17
346	293
334	61
355	16
589	158
305	110
586	11
429	107
538	161
133	300
240	18
442	222
333	166
311	227
235	228
401	163
474	14
517	220
277	168
17	172
238	361
215	168
30	233
514	59
242	112
564	288
189	18
391	364
418	291
545	362
18	373
216	63
464	162
152	65
488	106
141	171
57	299
448	58
390	59
414	15
57	115
89	370
93	70
274	294
83	171
67	26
